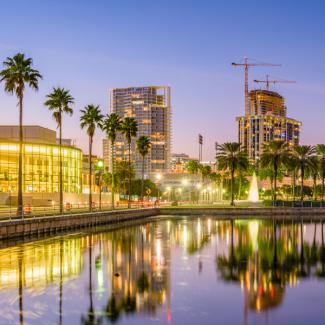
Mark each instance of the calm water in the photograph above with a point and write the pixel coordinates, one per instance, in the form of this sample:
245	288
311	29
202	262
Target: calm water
169	271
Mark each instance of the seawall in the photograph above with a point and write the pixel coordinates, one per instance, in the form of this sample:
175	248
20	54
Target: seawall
53	224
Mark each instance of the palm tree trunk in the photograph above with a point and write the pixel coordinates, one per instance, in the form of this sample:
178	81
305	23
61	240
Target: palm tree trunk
315	187
113	175
302	183
129	199
142	177
323	183
232	187
275	183
60	171
20	212
294	186
90	171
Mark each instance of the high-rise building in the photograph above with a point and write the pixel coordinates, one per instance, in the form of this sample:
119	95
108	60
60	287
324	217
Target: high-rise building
151	107
267	121
178	162
106	152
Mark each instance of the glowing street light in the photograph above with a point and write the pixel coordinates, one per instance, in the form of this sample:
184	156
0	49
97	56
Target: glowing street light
185	182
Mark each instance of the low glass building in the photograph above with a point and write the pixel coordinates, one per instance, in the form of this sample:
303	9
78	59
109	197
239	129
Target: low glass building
40	168
41	161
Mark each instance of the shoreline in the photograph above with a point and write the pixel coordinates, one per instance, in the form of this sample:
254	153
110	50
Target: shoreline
48	226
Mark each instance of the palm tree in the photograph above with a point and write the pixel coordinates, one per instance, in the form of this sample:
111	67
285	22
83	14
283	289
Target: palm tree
17	74
129	130
320	149
231	158
112	125
91	118
275	155
124	170
291	166
143	146
305	163
314	173
59	102
193	166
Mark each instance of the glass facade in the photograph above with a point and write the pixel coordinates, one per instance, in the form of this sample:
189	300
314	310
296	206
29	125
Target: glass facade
151	108
266	122
40	168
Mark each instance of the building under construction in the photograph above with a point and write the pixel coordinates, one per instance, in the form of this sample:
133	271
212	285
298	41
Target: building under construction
266	121
151	107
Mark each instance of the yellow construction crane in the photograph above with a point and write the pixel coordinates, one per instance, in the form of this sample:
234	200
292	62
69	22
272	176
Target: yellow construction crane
247	64
268	81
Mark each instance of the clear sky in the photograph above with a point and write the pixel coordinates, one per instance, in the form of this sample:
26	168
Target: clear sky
92	46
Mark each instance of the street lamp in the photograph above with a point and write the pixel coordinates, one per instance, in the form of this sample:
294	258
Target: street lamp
168	191
158	178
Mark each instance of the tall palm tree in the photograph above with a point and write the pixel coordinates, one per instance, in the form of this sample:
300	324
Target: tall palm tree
305	163
123	171
314	173
90	119
112	125
231	158
143	146
193	166
59	101
291	166
275	155
129	130
17	74
320	149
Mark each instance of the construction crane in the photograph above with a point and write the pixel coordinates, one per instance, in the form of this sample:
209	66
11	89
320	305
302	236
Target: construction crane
246	65
268	81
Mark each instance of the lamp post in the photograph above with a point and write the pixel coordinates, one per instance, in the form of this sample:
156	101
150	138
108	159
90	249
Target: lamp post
185	183
168	190
158	178
99	173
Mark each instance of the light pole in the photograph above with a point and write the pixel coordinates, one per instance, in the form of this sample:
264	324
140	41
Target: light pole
158	178
185	183
168	190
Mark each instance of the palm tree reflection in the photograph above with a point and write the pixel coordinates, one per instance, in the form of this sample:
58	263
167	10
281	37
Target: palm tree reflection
91	316
20	285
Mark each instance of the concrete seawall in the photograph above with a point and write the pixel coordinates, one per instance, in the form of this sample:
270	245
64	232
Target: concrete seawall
246	212
55	224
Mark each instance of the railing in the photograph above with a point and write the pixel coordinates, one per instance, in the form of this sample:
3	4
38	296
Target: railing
296	204
10	212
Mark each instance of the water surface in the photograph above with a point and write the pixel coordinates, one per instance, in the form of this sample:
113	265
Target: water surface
169	271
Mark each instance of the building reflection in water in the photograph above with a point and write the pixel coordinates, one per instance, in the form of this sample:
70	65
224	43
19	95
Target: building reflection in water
129	270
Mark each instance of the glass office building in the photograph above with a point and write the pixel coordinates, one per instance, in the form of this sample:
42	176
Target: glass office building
41	162
40	168
151	107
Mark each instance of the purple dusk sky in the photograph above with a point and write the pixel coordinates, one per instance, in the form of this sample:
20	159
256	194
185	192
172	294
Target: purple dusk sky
92	46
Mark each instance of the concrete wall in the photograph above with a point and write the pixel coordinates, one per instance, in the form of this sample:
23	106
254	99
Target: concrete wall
32	226
246	212
46	199
50	225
